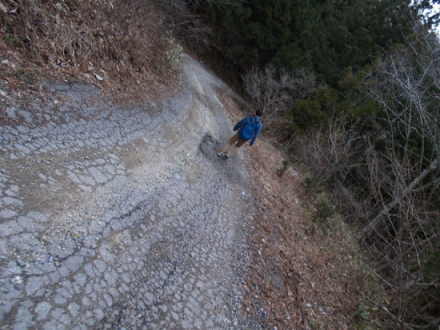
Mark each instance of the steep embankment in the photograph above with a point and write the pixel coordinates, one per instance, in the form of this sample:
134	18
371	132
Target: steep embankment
122	217
306	271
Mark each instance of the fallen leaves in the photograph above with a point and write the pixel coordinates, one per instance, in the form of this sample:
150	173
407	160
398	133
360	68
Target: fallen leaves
299	277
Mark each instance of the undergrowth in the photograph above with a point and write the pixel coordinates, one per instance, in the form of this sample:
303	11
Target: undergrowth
121	45
307	271
330	225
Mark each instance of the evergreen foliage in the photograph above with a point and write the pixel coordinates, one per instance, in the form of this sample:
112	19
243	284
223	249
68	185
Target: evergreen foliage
322	36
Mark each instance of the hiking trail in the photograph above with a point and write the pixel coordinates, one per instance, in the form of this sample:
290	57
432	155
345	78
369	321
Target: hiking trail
123	218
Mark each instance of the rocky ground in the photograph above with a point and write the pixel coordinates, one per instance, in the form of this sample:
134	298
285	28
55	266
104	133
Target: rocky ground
122	217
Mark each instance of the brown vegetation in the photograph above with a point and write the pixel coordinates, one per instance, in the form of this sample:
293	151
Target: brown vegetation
306	271
382	174
117	45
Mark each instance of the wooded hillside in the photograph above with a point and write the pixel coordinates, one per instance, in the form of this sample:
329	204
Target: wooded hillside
351	89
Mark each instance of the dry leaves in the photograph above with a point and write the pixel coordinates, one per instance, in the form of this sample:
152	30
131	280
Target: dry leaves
63	40
300	278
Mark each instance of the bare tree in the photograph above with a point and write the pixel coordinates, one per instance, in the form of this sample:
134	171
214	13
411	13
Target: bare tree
412	113
181	18
403	168
274	94
326	152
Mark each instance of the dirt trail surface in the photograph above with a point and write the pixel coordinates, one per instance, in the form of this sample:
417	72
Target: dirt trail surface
123	218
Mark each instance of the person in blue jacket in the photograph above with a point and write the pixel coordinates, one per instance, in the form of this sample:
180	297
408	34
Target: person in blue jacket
247	129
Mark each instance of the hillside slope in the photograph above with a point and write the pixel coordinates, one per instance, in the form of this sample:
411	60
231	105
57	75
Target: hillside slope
306	271
115	209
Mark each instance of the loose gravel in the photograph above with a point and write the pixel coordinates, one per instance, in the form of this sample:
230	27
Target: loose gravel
122	217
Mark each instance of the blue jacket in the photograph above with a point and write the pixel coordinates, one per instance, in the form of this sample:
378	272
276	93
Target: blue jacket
247	119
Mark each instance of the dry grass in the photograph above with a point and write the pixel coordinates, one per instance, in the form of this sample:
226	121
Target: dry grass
305	273
118	45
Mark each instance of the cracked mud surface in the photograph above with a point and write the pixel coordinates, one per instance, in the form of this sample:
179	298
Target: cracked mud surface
123	218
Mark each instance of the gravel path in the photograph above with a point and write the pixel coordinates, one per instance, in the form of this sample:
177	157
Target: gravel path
122	218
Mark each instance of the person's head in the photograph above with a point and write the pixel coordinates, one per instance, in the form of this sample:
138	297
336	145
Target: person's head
259	113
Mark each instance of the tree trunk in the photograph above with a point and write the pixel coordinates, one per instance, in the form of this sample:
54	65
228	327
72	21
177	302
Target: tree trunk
367	229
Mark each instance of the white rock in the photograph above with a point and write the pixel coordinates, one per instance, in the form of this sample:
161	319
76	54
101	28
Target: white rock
97	76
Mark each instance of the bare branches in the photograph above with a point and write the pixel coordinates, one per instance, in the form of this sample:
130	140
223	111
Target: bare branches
326	152
275	94
387	178
186	24
404	166
403	193
404	80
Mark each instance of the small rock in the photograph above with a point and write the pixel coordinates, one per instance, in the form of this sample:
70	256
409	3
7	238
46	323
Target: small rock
97	76
17	280
20	263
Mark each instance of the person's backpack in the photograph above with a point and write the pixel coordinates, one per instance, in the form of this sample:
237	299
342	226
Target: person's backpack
247	131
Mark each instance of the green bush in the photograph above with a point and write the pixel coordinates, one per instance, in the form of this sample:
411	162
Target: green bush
324	210
173	55
313	186
305	115
283	168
